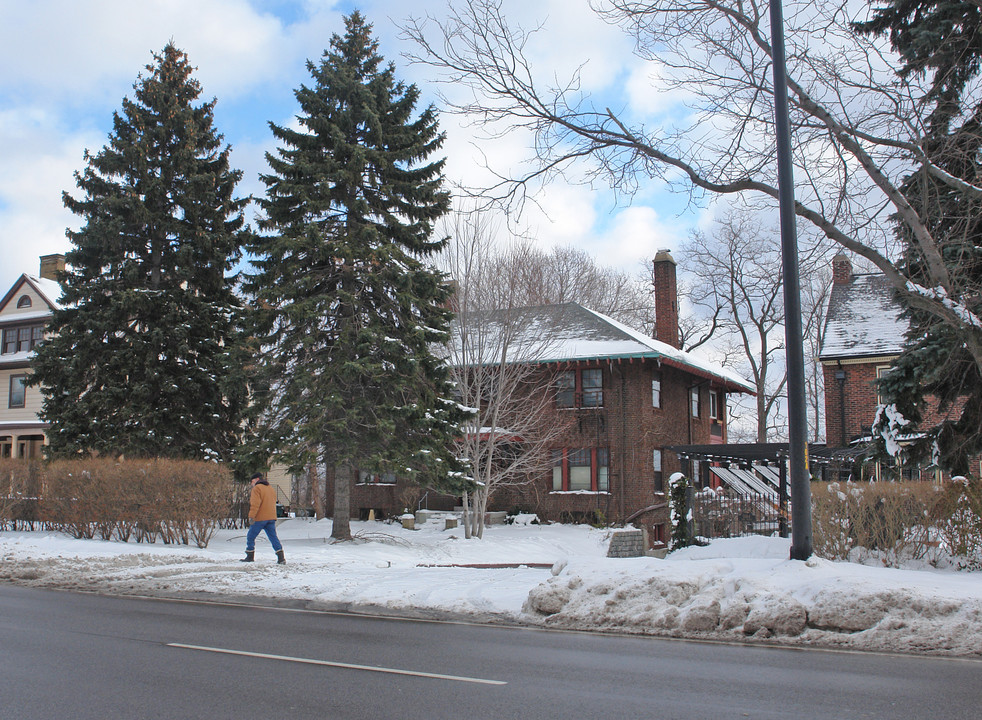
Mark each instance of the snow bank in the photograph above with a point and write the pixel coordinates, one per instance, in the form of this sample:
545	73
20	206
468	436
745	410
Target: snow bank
544	575
747	588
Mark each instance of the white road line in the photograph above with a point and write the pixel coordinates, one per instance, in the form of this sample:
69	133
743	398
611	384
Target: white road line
369	668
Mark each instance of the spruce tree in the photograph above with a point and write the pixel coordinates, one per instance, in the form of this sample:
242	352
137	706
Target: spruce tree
348	308
145	357
941	40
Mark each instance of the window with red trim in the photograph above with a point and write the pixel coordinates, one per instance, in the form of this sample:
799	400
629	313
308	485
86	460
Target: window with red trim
586	469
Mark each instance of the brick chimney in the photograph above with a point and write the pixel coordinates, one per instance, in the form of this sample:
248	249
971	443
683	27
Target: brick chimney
666	299
51	265
841	269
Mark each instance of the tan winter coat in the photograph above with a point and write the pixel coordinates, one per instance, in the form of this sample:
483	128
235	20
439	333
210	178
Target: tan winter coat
262	502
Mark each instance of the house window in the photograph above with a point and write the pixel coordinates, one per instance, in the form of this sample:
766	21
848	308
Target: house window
656	391
694	402
24	301
22	338
592	382
584	469
580	467
580	388
367	478
881	370
656	464
566	389
658	534
18	391
714	405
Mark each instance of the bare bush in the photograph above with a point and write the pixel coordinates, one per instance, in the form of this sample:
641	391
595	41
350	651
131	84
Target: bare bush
18	492
892	520
176	501
957	517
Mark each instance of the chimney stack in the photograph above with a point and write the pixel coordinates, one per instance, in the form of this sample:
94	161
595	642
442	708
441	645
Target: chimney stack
666	299
841	269
51	265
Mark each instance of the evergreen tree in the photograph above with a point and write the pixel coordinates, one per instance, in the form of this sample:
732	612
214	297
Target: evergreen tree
348	311
145	357
942	41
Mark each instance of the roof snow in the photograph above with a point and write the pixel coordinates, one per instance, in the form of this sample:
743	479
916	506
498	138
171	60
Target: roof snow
863	319
50	289
571	332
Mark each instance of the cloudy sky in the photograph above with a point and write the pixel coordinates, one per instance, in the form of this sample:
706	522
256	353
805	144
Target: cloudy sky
67	64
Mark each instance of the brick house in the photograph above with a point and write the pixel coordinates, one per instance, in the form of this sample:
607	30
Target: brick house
622	398
24	311
864	334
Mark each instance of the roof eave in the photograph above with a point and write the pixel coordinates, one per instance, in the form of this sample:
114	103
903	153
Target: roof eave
726	383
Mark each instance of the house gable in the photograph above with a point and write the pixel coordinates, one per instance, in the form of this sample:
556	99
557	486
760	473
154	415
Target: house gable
29	298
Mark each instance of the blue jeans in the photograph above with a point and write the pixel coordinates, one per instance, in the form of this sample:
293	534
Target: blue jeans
258	526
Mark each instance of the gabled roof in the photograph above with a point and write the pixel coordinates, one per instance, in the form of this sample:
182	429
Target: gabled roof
570	332
49	290
863	319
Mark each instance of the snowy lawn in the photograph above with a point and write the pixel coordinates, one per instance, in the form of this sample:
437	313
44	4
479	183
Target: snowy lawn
553	575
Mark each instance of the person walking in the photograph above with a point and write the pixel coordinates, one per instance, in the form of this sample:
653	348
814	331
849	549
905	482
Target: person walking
262	513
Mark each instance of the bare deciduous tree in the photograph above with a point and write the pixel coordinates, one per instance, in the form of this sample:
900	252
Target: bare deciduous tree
815	290
524	275
857	126
492	350
737	273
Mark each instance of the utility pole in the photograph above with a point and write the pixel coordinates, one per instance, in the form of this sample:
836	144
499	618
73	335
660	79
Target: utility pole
801	513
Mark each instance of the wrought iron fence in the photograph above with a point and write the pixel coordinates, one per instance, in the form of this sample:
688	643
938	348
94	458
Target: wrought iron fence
723	514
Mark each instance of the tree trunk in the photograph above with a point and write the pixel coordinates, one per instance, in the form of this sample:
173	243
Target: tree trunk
761	415
480	509
467	516
317	491
342	502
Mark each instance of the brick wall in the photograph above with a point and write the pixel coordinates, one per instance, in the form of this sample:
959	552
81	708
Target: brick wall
861	402
632	429
627	425
858	398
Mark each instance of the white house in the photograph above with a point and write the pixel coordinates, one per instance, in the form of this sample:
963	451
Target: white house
24	310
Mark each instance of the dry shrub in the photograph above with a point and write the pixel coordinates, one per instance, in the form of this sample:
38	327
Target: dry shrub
957	518
199	496
410	495
177	501
72	496
19	489
892	519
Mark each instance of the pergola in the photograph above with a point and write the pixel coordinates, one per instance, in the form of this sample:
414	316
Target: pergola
736	464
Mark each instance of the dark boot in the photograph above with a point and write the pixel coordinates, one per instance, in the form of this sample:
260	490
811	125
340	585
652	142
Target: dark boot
280	560
250	556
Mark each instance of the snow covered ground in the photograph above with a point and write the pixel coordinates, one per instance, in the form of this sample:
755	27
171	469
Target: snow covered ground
549	575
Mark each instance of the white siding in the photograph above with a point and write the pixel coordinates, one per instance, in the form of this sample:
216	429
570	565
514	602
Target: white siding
29	413
39	308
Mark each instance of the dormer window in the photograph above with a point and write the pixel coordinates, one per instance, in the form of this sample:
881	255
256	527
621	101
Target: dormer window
24	301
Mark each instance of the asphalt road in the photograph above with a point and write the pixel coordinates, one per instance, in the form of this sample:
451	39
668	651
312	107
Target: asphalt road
70	655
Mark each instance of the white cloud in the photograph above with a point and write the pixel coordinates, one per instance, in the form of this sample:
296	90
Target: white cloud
647	92
563	215
634	236
36	166
65	50
69	64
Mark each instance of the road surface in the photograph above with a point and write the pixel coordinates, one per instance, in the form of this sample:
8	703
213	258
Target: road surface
74	655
